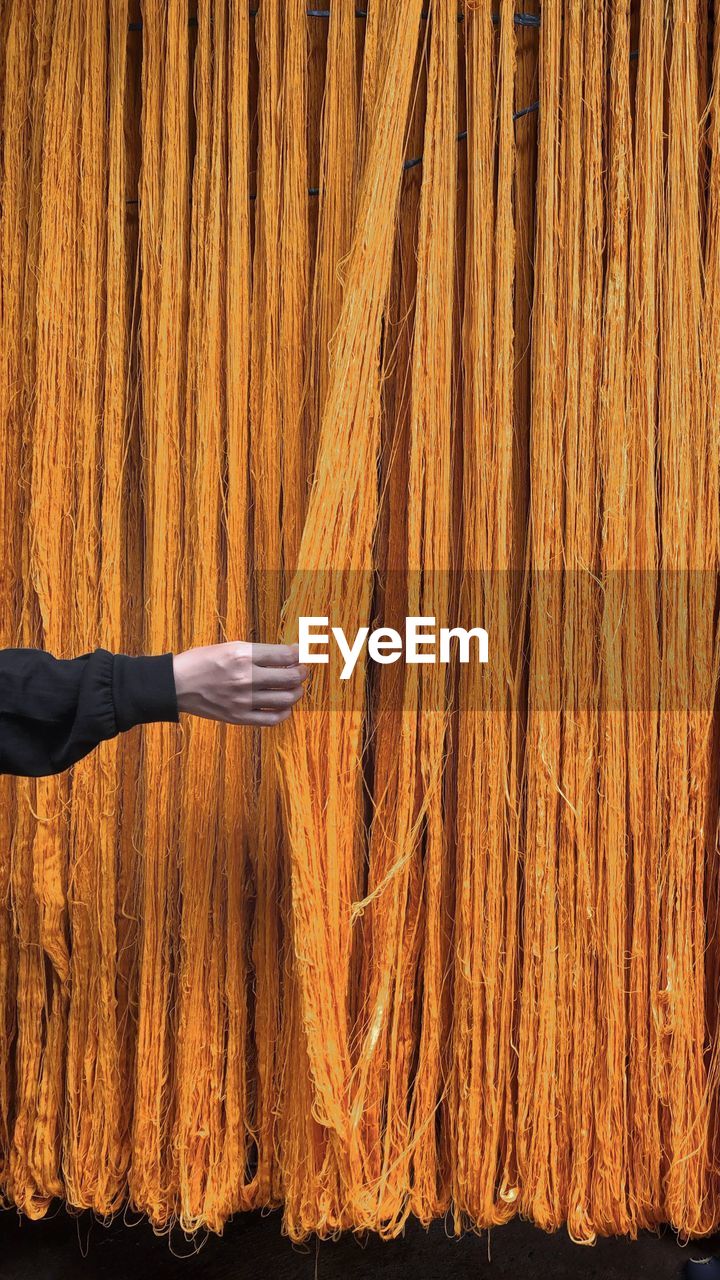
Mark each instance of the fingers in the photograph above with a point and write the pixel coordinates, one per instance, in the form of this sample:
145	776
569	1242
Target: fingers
265	717
278	677
275	699
274	655
267	688
276	666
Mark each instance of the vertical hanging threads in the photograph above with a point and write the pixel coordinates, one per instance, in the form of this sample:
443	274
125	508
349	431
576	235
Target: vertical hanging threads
164	248
341	312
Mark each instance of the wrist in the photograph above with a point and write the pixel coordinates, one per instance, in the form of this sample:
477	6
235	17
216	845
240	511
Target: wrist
180	674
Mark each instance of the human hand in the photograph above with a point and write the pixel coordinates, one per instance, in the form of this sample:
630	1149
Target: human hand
239	682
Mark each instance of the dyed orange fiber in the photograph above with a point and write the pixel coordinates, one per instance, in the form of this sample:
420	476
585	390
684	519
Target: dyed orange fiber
341	314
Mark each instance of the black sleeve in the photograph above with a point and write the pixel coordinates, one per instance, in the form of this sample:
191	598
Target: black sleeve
53	710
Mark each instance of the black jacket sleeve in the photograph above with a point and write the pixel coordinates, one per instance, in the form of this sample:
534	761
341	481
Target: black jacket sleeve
53	710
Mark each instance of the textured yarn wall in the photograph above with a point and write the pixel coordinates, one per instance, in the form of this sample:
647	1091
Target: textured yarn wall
403	309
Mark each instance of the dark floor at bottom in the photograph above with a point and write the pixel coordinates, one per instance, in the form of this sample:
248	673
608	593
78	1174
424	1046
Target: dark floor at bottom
65	1247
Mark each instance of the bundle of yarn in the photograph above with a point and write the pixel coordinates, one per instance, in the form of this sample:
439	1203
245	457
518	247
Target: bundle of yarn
408	309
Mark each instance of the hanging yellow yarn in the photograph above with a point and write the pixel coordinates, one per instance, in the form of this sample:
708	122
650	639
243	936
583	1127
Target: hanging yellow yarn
411	312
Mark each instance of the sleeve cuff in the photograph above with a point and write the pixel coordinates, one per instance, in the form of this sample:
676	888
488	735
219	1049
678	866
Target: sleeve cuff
143	690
